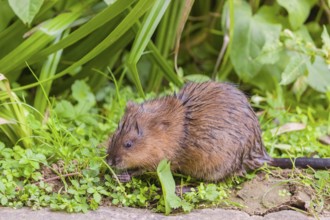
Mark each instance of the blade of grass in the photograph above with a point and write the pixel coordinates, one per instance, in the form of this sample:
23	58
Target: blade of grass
144	34
164	40
11	37
104	59
13	111
168	71
48	70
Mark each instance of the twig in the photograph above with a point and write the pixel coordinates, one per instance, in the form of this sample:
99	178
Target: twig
58	177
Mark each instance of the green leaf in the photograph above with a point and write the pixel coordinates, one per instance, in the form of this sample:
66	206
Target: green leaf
254	36
65	109
295	68
321	174
81	92
83	95
168	186
26	10
186	206
90	190
298	10
318	75
2	187
97	197
211	192
4	200
270	52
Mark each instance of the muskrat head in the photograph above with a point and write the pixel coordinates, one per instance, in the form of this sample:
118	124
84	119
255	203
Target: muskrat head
147	133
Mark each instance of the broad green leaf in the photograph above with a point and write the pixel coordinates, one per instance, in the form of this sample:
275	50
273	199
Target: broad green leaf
168	186
26	10
298	11
318	75
251	39
270	52
295	68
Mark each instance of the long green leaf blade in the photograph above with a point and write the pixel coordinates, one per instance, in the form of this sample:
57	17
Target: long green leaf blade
143	37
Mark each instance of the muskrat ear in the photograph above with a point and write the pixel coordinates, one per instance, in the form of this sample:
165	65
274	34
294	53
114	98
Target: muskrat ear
138	129
130	105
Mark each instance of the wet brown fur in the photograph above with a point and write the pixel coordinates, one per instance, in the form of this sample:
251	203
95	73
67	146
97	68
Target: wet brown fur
208	131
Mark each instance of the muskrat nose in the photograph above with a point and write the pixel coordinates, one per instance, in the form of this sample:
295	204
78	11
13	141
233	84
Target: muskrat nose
114	161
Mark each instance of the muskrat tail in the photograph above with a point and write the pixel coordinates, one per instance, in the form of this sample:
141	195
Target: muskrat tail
301	162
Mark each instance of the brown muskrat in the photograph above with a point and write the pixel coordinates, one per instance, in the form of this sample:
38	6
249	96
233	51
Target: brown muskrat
208	131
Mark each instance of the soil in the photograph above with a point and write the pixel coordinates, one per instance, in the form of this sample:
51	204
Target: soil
53	174
271	193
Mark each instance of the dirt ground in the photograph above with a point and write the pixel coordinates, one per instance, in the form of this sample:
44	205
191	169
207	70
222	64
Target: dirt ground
279	191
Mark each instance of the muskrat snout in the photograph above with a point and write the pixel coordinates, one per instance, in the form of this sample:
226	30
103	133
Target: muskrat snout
114	161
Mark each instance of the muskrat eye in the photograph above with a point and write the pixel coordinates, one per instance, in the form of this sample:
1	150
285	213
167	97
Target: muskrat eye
128	144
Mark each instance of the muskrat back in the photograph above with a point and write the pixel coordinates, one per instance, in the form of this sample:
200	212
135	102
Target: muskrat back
208	131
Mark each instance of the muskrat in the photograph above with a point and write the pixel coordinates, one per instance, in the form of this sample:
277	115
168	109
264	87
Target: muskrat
208	131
